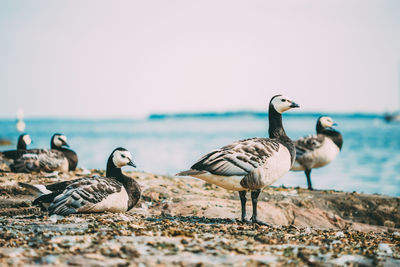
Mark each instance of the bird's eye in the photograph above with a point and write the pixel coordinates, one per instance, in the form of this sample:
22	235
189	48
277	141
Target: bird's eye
283	100
123	156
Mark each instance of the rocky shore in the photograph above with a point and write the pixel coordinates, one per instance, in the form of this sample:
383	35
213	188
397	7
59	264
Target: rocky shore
186	222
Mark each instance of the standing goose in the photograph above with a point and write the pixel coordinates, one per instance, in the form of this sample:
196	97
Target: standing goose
318	150
114	193
8	157
251	164
58	158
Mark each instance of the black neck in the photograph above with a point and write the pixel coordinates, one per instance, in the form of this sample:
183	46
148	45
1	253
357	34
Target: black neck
276	131
53	146
112	170
319	127
21	144
275	124
334	135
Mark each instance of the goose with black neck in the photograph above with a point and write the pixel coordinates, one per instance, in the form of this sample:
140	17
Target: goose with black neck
114	193
316	151
250	164
58	158
7	157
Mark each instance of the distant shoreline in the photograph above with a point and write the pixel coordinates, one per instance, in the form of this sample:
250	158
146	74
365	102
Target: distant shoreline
208	114
258	114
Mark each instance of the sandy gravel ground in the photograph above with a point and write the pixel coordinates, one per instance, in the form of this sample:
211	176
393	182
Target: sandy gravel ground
186	222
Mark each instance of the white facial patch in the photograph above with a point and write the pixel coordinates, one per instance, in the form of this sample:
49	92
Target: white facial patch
281	103
326	122
121	158
59	139
57	142
27	139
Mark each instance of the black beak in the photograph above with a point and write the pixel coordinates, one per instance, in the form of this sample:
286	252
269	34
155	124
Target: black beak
130	163
65	144
294	105
335	124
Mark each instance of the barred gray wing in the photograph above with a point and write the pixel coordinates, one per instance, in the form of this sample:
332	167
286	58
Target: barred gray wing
83	193
308	144
238	158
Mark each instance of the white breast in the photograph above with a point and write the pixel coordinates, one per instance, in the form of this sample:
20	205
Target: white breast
325	154
227	182
276	166
117	202
64	167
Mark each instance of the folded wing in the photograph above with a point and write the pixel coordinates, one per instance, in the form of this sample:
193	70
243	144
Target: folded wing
86	195
238	158
308	144
39	160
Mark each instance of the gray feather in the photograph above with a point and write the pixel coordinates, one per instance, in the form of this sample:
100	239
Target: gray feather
238	158
308	144
83	193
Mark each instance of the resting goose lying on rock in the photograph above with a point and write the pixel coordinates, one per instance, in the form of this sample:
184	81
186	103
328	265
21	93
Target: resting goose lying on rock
58	158
114	193
251	164
8	157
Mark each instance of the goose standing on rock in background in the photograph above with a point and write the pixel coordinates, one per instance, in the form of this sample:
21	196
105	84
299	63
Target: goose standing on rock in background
318	150
58	158
251	164
8	157
114	193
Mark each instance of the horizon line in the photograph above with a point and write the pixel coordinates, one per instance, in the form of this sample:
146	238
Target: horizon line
228	113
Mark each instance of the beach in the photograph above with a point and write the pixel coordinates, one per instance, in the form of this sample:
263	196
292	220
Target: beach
187	222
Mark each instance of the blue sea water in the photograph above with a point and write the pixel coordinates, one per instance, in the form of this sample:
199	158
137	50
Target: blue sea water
369	161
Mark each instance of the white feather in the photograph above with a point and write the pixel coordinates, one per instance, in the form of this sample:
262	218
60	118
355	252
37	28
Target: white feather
27	139
276	166
43	190
116	202
325	154
227	182
121	158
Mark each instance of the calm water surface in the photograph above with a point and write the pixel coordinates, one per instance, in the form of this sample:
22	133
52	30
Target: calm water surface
369	161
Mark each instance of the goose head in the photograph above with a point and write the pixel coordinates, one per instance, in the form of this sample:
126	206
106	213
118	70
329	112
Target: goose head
326	122
59	140
121	157
23	141
282	103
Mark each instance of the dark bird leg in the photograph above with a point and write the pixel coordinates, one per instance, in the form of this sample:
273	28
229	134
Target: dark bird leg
254	200
243	199
308	175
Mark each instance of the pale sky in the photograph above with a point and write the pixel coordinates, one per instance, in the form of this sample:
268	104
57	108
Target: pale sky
131	58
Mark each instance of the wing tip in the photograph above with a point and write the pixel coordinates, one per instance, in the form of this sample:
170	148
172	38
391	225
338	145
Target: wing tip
35	190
